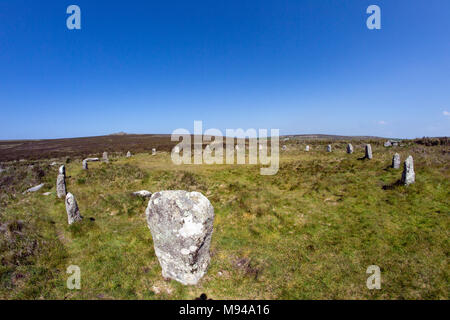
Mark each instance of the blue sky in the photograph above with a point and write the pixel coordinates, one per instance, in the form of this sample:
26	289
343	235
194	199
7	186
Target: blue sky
154	66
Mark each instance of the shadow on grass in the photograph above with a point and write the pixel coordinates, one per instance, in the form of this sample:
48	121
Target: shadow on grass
392	186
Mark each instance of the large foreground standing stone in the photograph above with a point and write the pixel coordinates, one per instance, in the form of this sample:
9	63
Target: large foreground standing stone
349	148
368	151
408	175
61	183
73	213
181	224
396	161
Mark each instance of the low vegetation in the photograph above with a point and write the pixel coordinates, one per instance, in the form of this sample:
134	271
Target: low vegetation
308	232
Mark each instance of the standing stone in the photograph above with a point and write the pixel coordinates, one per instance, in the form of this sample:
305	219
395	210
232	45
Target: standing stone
307	148
284	148
408	175
396	161
128	154
85	161
73	213
329	148
349	148
153	152
61	183
368	151
176	149
105	157
62	170
388	144
181	224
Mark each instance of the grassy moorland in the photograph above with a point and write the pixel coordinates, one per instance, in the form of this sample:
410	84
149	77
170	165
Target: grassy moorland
308	232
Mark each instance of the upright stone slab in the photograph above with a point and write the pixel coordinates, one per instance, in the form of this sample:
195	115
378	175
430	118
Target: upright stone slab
349	148
85	162
153	152
181	224
61	183
396	161
388	144
284	148
73	213
105	157
408	175
368	151
329	148
128	154
307	148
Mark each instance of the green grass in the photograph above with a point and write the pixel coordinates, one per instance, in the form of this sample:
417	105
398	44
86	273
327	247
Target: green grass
308	232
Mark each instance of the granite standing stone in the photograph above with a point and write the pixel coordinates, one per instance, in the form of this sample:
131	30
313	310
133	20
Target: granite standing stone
307	148
181	224
73	213
61	183
368	151
349	148
408	175
128	154
329	148
105	157
396	161
153	152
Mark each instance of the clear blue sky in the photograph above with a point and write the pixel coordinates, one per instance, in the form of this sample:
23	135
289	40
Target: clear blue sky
154	66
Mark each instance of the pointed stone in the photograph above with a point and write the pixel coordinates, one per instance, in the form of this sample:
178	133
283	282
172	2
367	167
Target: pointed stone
105	157
408	175
73	213
62	170
329	148
128	154
153	152
396	161
368	151
181	224
307	148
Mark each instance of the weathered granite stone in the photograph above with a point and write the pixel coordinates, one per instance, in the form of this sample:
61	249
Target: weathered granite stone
142	193
408	175
85	162
62	170
284	148
396	161
35	188
105	157
329	148
176	149
73	213
349	148
128	154
153	151
181	224
307	148
388	144
61	185
368	151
